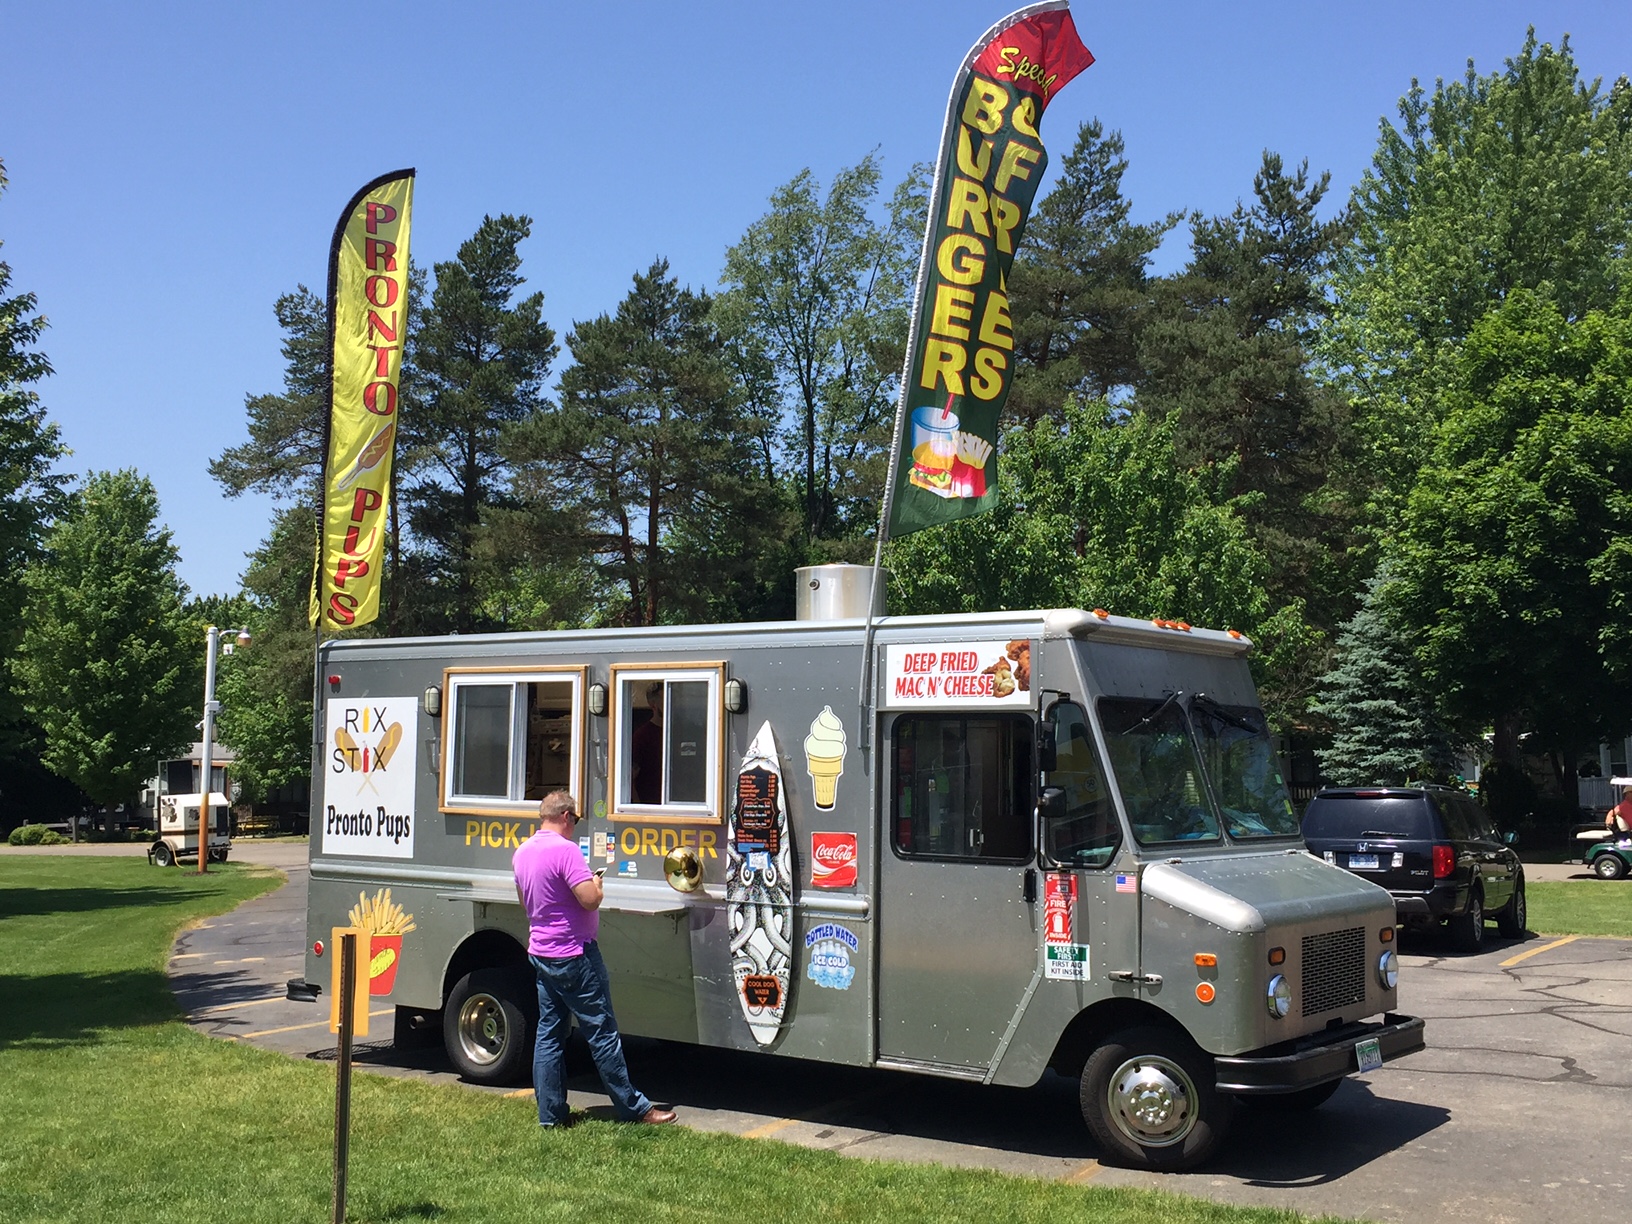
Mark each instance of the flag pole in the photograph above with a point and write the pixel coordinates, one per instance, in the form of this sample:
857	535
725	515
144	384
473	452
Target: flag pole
888	503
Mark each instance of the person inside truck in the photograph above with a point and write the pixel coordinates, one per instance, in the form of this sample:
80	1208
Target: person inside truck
646	750
562	898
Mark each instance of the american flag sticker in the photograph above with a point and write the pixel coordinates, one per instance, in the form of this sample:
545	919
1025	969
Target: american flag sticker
1127	883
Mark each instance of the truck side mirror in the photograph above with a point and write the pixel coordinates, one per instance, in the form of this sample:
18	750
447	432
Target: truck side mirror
1051	803
1048	756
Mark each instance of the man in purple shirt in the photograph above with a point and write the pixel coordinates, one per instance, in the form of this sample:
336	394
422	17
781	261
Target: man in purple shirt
561	897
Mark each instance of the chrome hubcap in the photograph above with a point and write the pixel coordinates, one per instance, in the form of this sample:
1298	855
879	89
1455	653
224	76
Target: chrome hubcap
481	1029
1153	1101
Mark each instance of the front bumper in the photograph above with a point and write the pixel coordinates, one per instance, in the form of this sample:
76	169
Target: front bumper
1317	1058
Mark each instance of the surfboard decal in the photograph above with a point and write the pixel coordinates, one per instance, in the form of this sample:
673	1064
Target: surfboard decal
759	889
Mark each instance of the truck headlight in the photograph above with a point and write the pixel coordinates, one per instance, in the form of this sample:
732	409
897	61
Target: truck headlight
1388	970
1278	998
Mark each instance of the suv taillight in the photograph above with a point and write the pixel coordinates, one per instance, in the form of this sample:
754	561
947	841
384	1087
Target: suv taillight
1444	861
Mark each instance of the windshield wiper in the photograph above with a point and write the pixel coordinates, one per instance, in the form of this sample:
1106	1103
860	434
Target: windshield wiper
1156	713
1218	712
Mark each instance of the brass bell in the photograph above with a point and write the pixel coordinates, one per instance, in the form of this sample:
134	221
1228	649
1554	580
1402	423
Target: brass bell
683	869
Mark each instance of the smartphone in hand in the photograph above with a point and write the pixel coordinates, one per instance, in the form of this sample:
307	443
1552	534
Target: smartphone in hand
600	872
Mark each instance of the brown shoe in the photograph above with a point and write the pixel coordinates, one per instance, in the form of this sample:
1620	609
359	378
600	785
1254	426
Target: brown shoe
658	1117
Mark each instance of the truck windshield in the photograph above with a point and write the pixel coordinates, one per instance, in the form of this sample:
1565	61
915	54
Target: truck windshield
1155	764
1240	761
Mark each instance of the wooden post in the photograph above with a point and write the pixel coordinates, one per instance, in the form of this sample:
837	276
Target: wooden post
347	950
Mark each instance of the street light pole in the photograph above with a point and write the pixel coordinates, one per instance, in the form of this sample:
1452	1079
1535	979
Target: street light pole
212	648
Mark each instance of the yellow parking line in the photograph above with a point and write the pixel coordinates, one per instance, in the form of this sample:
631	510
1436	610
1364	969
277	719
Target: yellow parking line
205	1011
1557	943
770	1128
519	1092
294	1028
817	1118
1088	1171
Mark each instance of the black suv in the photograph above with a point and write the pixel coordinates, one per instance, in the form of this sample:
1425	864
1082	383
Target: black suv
1433	847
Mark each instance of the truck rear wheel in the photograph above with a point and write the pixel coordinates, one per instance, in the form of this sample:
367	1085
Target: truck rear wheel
162	855
487	1026
1148	1098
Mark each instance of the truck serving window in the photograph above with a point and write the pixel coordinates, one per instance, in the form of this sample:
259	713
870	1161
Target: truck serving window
1089	833
1155	765
1240	759
512	738
667	731
962	786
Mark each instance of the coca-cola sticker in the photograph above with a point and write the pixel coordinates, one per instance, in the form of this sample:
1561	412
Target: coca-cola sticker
833	860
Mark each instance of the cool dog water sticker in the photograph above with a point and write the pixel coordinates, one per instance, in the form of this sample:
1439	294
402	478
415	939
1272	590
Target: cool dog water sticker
369	767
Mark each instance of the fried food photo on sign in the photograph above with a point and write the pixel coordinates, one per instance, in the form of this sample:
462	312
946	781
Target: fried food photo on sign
1002	678
1019	653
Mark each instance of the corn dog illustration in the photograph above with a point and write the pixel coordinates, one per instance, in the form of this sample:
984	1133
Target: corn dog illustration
379	446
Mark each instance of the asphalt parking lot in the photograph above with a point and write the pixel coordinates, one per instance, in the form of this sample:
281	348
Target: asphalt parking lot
1520	1109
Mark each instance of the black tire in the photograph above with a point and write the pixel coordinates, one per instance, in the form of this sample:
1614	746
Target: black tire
1511	922
1149	1102
163	856
1468	929
1608	866
1301	1101
488	1026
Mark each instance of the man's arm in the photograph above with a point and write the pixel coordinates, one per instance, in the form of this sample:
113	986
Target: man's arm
590	892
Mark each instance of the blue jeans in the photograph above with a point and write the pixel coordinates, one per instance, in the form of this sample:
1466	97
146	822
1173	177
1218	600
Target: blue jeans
578	986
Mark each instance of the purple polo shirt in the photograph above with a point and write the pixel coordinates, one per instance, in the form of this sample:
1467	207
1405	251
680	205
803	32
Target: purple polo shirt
547	866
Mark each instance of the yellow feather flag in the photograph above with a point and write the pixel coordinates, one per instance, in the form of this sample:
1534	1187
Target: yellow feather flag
368	318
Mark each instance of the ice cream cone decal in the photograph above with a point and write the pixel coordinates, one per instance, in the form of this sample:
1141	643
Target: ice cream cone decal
824	756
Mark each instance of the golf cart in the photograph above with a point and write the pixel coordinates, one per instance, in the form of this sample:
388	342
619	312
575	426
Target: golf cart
1608	854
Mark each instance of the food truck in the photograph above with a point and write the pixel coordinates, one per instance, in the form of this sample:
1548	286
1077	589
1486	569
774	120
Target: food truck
1042	839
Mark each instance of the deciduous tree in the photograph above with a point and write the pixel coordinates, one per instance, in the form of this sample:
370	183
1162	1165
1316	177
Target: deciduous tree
104	667
816	295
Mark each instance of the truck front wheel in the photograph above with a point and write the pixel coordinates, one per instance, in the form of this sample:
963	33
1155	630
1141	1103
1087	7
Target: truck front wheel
486	1026
1149	1101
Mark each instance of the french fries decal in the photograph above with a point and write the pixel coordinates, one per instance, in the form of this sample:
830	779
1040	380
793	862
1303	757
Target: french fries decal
386	924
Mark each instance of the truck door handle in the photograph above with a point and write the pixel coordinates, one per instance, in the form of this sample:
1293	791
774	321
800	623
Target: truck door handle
1028	885
1128	975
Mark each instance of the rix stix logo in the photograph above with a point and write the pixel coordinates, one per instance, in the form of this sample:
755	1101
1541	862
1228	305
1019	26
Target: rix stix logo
364	743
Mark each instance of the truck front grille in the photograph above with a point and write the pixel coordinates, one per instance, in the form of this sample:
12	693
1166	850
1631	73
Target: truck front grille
1334	970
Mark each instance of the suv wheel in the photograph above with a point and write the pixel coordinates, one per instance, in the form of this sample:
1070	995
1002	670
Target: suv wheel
1511	921
1468	929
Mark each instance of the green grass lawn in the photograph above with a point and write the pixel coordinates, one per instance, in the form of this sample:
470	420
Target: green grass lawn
115	1110
1580	907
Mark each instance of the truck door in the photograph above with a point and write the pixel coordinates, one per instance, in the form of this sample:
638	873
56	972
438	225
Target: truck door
1081	833
958	928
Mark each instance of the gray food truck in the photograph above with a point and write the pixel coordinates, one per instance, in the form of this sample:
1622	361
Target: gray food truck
1048	839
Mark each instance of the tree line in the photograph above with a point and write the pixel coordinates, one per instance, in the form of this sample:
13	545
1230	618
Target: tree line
1390	440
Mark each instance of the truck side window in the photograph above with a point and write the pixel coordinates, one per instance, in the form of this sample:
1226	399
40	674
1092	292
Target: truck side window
512	738
666	741
962	786
1089	833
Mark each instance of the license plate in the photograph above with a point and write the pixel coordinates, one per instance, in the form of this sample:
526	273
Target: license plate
1369	1054
1363	862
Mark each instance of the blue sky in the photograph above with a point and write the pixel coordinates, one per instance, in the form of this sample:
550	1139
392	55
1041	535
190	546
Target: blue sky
174	168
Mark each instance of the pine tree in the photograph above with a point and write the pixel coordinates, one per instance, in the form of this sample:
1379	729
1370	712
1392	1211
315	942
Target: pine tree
1384	728
30	488
1080	289
650	463
476	366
